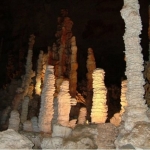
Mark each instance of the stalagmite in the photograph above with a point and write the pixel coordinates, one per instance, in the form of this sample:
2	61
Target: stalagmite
39	74
14	120
27	126
136	123
24	111
91	66
136	109
64	106
99	107
29	72
116	119
74	67
46	110
34	121
82	116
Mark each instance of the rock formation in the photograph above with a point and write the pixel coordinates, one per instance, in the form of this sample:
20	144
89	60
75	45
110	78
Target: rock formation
9	139
64	104
27	79
34	121
27	126
39	74
135	118
91	66
24	111
116	119
14	120
46	110
82	116
73	70
99	107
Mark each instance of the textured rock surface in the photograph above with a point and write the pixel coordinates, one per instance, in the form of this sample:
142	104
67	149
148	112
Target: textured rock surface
99	107
136	109
46	110
10	139
82	116
14	120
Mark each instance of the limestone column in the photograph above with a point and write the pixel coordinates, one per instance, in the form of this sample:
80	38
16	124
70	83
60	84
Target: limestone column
136	109
39	74
91	66
99	107
73	70
46	110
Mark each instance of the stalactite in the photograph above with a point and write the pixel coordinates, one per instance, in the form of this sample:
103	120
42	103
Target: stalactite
73	70
46	110
99	107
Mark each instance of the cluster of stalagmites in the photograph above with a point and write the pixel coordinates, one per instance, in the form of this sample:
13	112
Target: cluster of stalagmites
99	107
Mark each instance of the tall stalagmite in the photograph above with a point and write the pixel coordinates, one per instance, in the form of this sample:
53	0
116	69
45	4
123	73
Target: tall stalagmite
91	66
39	74
74	67
46	110
99	107
136	109
135	128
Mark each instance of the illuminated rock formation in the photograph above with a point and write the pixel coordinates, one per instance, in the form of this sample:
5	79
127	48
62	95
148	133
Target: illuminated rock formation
136	109
74	67
24	111
116	119
39	74
64	106
14	120
91	66
99	107
82	116
29	72
46	110
134	129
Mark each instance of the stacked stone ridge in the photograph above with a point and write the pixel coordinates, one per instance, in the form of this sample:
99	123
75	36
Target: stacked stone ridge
46	110
99	107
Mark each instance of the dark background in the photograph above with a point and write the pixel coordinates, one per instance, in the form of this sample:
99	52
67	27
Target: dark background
97	24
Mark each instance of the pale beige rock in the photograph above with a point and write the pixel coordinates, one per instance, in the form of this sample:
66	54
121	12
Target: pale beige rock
136	109
9	139
46	109
52	143
61	131
14	120
24	111
99	107
39	74
82	116
34	121
27	126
